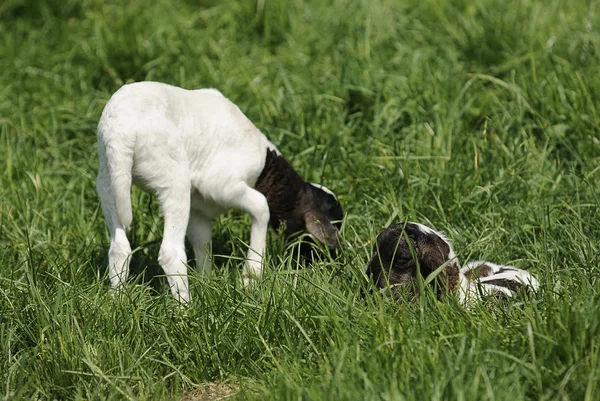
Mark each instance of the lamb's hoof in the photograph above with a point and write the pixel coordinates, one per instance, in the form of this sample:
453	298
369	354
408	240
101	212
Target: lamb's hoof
248	280
251	273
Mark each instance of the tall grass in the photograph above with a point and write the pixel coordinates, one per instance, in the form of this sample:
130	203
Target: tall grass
476	117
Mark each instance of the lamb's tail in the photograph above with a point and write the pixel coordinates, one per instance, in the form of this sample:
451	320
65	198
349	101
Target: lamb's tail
116	163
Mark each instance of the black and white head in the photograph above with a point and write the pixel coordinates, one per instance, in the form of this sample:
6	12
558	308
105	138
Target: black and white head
319	214
400	248
298	205
323	220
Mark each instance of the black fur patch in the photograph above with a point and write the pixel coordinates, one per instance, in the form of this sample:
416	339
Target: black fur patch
512	285
284	190
480	271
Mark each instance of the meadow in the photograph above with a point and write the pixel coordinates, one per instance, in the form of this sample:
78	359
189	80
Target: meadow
476	117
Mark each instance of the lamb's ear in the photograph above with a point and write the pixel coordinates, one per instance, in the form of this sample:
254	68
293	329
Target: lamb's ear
321	228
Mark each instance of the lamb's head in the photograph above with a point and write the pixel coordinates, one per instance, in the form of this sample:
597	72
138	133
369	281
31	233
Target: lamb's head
299	206
322	215
399	249
318	213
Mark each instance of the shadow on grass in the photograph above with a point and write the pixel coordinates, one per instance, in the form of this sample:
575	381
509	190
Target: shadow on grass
145	269
227	255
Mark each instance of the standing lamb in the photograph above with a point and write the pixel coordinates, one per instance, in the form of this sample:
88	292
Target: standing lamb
201	156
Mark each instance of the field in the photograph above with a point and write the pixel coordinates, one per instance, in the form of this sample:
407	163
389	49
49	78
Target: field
477	117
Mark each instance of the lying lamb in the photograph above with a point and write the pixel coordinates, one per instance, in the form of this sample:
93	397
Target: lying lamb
201	156
398	249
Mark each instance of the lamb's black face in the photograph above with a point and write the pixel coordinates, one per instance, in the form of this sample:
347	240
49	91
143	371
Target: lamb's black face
328	204
393	263
327	209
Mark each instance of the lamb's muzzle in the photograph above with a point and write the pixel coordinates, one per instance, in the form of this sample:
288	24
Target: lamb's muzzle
201	156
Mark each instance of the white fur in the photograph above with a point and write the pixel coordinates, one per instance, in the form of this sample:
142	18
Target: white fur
475	288
324	189
509	273
201	156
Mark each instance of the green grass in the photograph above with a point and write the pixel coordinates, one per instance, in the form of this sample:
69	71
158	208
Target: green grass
477	117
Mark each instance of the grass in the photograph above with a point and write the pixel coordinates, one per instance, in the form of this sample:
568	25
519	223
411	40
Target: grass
476	117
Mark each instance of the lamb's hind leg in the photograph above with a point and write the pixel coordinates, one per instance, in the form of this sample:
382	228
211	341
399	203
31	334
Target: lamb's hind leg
199	232
175	201
119	252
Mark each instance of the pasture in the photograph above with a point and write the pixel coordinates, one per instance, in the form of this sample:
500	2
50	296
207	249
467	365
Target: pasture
476	117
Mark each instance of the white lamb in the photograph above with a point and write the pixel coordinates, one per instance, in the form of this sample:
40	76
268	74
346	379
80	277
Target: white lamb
201	156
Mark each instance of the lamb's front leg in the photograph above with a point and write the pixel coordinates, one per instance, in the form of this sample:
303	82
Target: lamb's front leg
255	203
